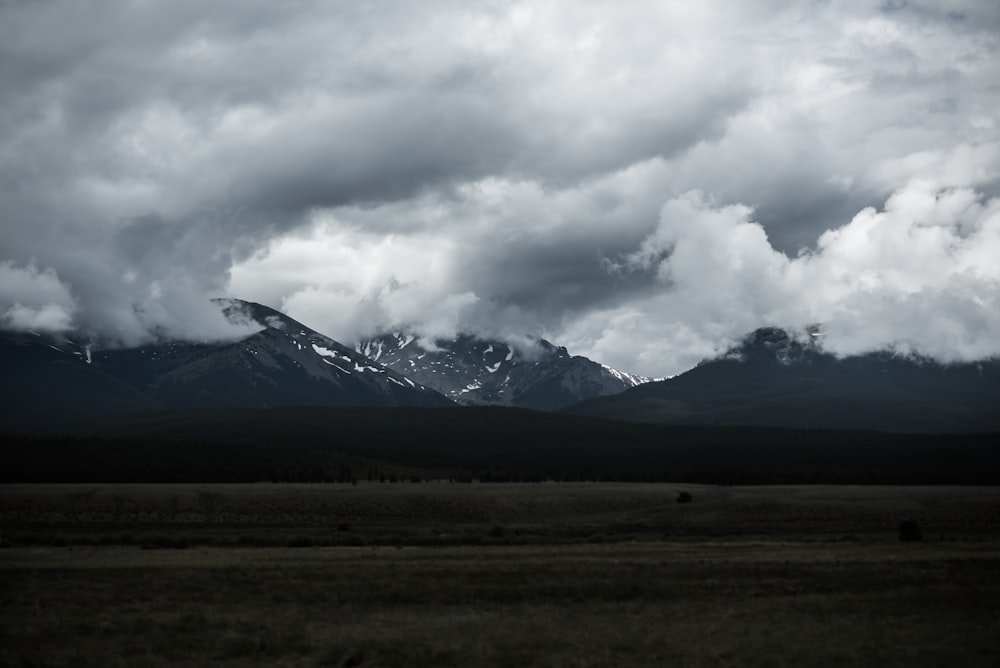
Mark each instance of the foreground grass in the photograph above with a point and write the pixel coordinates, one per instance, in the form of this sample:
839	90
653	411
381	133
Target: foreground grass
700	603
475	575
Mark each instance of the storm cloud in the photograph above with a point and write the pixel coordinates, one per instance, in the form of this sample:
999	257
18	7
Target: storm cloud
641	182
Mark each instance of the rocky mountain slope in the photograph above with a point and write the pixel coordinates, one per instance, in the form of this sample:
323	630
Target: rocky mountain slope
473	371
49	379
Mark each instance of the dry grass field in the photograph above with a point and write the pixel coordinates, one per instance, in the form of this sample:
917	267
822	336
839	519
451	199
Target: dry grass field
497	575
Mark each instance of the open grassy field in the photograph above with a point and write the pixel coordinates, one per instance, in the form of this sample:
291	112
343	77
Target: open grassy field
445	513
498	575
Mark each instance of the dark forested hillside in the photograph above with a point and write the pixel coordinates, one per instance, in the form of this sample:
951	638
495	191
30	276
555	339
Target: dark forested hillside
313	444
774	379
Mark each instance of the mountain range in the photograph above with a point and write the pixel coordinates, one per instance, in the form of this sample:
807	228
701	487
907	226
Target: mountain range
771	378
775	378
477	372
51	379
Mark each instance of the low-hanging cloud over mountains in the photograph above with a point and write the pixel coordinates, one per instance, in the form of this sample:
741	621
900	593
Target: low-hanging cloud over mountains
641	184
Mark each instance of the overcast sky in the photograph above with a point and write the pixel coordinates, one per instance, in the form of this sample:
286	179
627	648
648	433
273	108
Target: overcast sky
639	181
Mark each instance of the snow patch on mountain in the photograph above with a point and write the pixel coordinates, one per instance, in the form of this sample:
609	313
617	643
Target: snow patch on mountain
629	379
337	366
326	352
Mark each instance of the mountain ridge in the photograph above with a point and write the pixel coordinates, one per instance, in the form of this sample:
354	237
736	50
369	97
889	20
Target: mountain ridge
283	364
776	378
474	371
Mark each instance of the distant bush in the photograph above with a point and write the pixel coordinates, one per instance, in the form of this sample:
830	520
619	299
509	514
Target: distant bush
343	526
497	532
684	497
909	531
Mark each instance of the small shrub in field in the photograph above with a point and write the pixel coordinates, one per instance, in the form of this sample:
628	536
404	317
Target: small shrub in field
496	532
684	497
910	531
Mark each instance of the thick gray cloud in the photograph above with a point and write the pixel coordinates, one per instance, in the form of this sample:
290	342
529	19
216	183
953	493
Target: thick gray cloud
505	167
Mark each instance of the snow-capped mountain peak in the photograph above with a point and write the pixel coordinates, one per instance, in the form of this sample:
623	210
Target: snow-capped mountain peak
475	371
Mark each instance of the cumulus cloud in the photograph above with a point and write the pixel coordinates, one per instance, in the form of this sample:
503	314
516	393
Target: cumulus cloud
348	284
495	257
918	276
33	299
459	167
